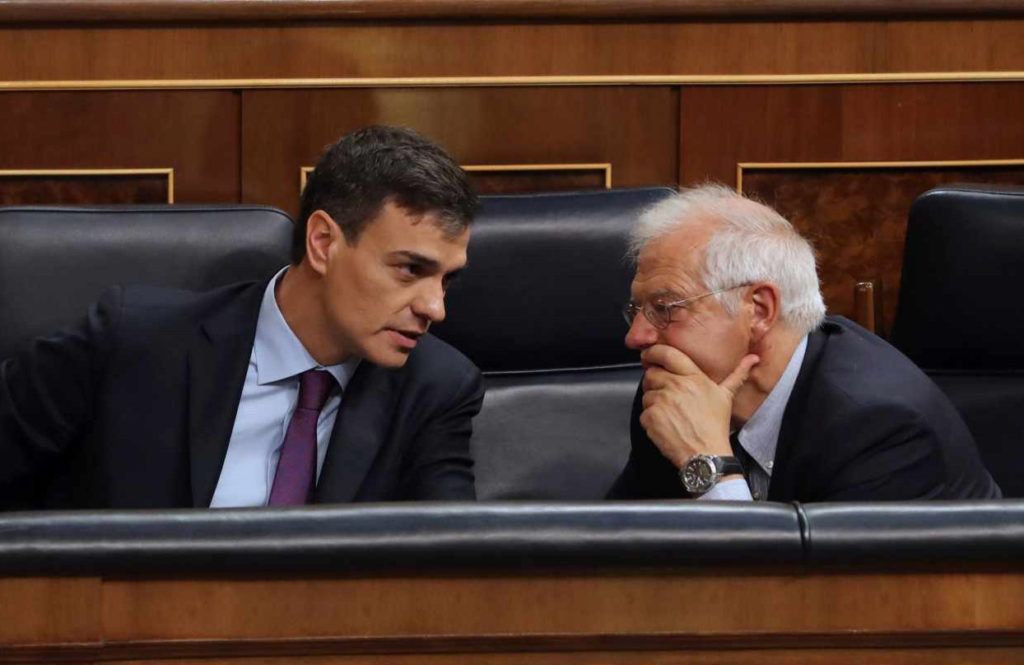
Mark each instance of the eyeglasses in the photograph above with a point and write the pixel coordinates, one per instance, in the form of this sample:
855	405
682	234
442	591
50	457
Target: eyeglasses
660	313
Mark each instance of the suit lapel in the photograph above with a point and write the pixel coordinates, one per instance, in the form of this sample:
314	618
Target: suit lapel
217	363
363	422
782	486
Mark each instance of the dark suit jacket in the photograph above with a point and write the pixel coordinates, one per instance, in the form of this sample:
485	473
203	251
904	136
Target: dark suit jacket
135	406
862	423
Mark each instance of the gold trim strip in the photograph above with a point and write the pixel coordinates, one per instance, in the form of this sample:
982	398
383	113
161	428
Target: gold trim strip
941	163
169	172
510	81
604	167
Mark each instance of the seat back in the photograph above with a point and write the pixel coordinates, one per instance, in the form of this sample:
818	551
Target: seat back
55	261
959	317
538	310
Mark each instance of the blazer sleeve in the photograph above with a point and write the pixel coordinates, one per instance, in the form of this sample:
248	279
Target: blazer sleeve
441	467
47	393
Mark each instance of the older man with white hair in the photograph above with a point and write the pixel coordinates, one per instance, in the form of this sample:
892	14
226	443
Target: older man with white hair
751	392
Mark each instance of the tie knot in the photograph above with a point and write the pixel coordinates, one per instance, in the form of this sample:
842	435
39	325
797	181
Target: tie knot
314	385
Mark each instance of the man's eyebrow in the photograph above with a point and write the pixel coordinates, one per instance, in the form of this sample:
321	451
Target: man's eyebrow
416	257
665	294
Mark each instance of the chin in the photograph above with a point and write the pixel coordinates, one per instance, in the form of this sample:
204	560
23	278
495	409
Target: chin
387	357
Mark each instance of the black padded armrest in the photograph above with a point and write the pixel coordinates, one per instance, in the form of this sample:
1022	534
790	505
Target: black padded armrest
924	532
399	538
481	537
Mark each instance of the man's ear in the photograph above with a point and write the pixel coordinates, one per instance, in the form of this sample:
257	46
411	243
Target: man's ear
766	302
321	233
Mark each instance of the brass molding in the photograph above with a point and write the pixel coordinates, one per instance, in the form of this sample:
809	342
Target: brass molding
32	173
508	81
805	166
604	167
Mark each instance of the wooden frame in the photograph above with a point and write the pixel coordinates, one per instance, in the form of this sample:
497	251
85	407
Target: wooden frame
510	81
603	167
807	166
169	172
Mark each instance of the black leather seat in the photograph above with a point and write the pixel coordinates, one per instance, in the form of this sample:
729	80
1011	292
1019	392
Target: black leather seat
960	318
538	310
55	261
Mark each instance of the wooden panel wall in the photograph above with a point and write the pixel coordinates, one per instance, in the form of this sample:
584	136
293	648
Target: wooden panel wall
511	47
856	215
667	92
635	130
194	133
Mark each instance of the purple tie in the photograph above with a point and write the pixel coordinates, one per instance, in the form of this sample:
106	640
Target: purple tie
296	469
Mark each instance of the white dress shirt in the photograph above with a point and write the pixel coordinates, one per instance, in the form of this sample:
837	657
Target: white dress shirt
269	396
760	437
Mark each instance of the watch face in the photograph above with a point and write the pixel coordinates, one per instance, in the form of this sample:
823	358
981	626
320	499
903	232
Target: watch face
699	474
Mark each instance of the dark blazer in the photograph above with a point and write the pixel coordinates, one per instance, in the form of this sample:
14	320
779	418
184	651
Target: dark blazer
862	423
134	408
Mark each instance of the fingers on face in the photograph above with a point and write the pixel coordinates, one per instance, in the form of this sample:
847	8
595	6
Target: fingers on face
739	376
669	358
651	420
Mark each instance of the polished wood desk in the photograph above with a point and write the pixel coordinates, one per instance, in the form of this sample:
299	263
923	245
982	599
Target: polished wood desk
527	583
683	616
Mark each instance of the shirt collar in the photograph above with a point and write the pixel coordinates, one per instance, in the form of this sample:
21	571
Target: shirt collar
760	435
279	354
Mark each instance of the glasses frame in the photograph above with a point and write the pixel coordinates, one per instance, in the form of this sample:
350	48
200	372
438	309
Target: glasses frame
631	309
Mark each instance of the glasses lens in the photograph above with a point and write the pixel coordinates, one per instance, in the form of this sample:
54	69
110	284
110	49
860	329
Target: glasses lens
658	314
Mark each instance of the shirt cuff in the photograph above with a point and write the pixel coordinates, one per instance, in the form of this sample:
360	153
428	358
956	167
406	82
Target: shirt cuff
728	490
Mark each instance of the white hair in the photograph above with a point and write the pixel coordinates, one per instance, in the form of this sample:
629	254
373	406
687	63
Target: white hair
750	243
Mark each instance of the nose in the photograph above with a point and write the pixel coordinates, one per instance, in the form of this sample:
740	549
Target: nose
429	303
641	333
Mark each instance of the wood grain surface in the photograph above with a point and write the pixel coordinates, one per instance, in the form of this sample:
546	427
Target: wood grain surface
744	616
41	610
857	220
183	52
194	133
83	189
856	216
633	129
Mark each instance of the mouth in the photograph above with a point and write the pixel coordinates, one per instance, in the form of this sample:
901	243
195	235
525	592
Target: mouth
404	339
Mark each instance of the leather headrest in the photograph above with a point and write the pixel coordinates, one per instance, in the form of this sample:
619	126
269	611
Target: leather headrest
963	272
546	281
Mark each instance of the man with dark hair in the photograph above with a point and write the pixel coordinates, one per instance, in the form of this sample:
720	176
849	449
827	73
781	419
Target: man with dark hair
321	385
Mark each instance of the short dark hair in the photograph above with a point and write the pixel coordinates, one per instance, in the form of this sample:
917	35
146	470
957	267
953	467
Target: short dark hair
357	175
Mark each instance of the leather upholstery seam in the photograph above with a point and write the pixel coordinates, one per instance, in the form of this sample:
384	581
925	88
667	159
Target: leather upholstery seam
805	530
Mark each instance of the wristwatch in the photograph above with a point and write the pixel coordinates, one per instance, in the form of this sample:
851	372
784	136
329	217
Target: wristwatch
702	472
